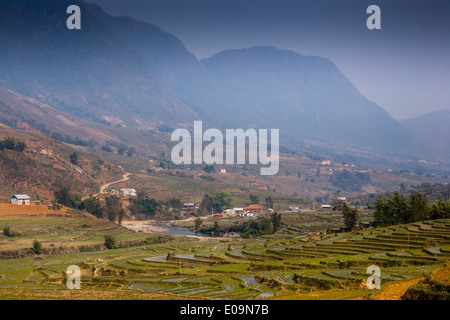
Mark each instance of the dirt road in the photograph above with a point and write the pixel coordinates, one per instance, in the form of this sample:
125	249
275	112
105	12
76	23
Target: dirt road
106	185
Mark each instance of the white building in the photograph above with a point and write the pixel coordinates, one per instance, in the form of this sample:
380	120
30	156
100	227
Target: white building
229	212
191	206
128	192
20	199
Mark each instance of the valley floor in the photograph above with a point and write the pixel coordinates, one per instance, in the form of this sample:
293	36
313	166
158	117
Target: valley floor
414	262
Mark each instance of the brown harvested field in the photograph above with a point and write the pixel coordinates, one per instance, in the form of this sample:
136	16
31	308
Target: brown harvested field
8	210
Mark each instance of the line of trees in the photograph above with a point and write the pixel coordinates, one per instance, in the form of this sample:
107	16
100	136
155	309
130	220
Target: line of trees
248	229
350	181
112	210
396	209
12	144
216	202
144	207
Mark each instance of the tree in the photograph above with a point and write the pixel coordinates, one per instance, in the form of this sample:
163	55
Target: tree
113	208
20	146
107	148
276	221
216	228
93	206
349	181
131	152
266	226
400	212
396	209
74	158
217	202
209	168
198	223
110	242
143	205
64	197
10	233
222	200
122	149
11	144
37	247
175	203
350	217
269	202
254	199
440	209
381	213
419	207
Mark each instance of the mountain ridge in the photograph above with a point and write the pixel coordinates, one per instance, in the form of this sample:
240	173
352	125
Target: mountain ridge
133	74
433	129
90	72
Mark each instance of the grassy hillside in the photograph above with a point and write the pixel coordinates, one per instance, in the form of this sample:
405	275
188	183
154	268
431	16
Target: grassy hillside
45	165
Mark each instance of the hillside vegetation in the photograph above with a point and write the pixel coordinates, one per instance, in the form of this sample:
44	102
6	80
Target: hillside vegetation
46	164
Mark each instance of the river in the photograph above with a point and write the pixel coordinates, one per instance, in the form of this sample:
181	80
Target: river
168	229
159	227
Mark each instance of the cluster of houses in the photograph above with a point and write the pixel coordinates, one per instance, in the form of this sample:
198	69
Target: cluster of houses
122	192
128	193
324	207
250	211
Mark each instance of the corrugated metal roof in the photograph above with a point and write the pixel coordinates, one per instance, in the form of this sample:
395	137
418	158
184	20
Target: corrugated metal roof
21	197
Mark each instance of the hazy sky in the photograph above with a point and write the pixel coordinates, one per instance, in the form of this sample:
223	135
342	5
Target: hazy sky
404	67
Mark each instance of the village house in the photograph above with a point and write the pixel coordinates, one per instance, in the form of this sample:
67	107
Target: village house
190	206
128	192
229	212
254	208
20	199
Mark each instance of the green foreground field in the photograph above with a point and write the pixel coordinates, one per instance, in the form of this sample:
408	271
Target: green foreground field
297	263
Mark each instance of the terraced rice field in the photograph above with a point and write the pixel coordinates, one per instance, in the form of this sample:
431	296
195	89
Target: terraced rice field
331	266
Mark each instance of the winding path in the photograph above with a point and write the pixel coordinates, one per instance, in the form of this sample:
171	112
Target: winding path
126	177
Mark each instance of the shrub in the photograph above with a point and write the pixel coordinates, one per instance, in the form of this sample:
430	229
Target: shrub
10	233
110	243
37	247
74	158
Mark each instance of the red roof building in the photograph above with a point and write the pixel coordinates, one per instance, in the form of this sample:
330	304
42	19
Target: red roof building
254	207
